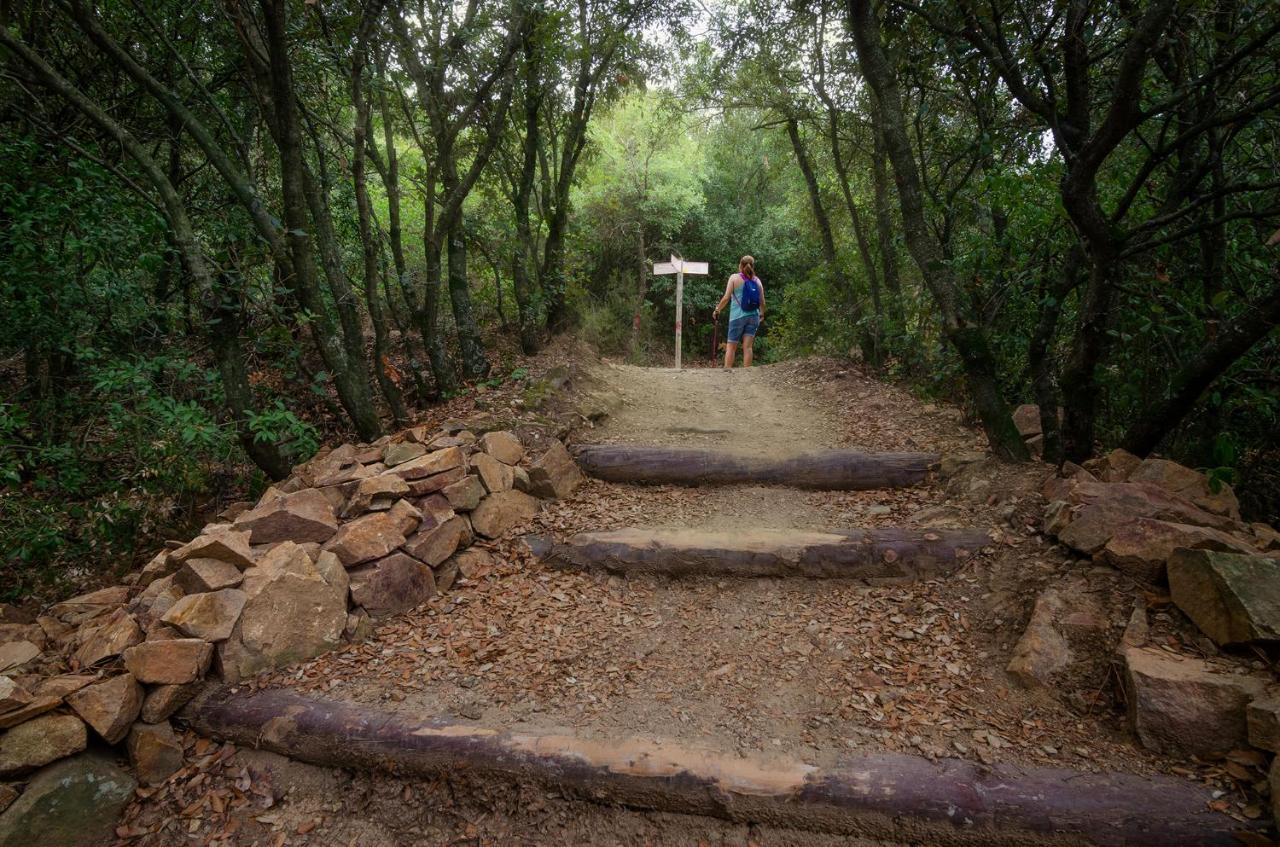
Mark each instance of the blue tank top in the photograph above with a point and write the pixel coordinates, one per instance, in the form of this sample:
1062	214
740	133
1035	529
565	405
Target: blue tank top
735	310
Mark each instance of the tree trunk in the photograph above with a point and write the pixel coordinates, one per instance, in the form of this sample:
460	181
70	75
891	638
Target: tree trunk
969	341
1043	385
884	235
521	249
874	554
835	279
475	365
836	470
642	290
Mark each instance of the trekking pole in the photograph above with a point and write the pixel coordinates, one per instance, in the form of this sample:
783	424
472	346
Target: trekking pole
715	337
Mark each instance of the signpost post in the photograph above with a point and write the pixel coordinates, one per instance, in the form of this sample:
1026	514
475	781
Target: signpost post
680	267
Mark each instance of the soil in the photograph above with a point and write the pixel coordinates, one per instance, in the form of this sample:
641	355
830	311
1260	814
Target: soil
802	669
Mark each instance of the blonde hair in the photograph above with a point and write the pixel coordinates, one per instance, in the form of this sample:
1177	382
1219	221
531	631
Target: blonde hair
747	267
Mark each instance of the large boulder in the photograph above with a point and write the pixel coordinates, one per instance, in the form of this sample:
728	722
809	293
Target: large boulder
295	609
1141	547
109	707
500	512
1113	467
169	662
305	515
72	803
211	615
1233	598
1188	484
38	742
1180	706
555	475
393	584
1099	509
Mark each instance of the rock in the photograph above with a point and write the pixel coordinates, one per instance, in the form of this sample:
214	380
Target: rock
40	741
15	654
72	803
367	538
951	464
24	632
435	544
1057	515
1113	467
1027	419
1179	706
163	700
500	512
227	545
1189	484
63	684
1141	547
377	493
109	707
86	607
172	662
199	576
520	479
154	751
1233	599
1137	632
342	477
393	584
162	564
1040	653
464	495
117	633
8	793
302	516
405	451
211	616
296	610
12	695
1036	445
359	626
493	474
431	464
1264	723
446	573
554	475
431	484
473	563
1266	536
503	446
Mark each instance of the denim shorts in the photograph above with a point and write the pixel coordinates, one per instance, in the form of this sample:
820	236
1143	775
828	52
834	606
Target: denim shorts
745	325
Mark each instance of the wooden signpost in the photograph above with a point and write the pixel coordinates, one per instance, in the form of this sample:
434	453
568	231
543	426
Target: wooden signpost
680	267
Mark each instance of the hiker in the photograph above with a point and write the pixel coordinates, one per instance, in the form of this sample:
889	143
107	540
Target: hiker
746	294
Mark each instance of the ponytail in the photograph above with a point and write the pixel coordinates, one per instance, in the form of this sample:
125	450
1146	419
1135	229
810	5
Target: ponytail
747	267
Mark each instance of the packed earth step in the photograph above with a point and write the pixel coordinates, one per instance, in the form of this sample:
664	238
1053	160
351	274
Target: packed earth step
890	553
885	795
832	470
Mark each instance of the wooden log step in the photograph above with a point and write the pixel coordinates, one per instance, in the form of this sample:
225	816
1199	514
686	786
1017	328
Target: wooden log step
890	796
833	470
850	554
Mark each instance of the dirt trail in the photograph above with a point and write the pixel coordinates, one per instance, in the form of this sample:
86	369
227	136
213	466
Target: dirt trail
806	670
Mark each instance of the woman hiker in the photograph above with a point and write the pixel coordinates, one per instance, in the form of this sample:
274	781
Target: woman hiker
745	292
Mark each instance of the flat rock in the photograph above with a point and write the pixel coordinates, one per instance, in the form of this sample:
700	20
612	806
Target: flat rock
433	544
555	475
473	563
109	707
431	464
493	474
377	493
1141	547
170	662
112	637
1233	599
305	515
154	752
393	584
72	803
296	610
1179	706
40	704
225	545
366	538
499	513
12	695
1189	484
211	616
1113	467
40	741
503	446
163	700
198	576
15	654
85	607
465	494
430	484
405	451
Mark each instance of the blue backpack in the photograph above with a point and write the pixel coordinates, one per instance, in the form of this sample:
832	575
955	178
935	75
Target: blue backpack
749	299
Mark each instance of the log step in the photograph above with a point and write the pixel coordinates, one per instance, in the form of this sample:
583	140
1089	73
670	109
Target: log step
895	797
831	470
849	554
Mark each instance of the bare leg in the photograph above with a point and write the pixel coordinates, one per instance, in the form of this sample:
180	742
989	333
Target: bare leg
746	350
730	350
